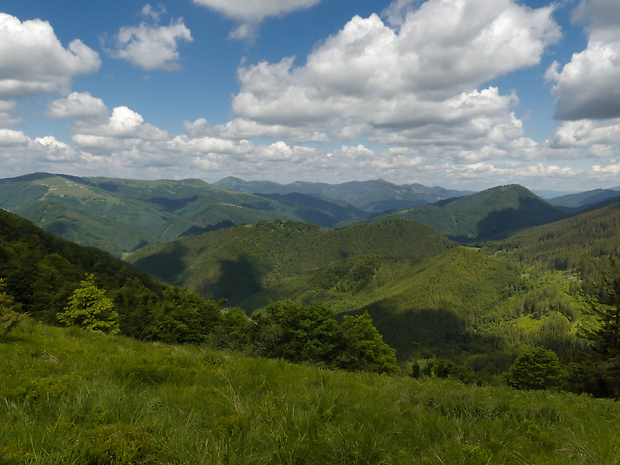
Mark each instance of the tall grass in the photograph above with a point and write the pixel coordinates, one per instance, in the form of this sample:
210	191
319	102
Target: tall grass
71	397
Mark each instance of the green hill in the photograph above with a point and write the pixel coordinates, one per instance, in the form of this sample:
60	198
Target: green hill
572	203
581	244
120	216
493	213
237	263
67	397
42	270
430	302
421	291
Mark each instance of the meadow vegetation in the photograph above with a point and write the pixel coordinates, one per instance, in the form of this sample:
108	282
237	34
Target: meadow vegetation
74	396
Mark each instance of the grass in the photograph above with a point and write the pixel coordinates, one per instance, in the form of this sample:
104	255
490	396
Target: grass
71	397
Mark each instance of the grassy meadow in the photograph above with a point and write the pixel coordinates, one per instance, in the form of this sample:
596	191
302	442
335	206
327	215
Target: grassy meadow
68	396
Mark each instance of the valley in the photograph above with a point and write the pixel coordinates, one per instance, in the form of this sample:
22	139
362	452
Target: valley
442	299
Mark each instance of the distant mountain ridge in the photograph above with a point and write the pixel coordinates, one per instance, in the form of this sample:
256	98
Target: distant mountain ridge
372	196
119	215
572	203
492	213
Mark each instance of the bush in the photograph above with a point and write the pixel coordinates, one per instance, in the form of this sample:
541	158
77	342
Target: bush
537	368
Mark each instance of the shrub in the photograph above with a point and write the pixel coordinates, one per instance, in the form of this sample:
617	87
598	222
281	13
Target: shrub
537	368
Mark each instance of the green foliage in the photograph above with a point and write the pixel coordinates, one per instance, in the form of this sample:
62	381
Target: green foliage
537	368
42	270
296	333
71	396
362	347
90	308
311	334
603	336
9	319
240	262
182	317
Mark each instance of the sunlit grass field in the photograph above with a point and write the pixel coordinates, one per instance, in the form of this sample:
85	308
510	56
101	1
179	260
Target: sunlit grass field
72	397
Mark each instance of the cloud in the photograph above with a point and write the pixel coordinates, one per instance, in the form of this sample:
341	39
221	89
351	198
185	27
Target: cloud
586	133
11	138
149	45
250	13
8	114
33	61
403	84
77	105
587	86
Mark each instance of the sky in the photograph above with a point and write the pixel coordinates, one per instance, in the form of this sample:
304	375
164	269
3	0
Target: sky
463	94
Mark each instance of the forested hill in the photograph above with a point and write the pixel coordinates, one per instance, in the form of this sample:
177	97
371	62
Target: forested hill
238	262
42	270
491	214
582	244
118	215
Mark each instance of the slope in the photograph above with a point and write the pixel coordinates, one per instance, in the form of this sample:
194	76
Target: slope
42	270
239	262
67	396
414	302
493	213
581	244
573	203
120	216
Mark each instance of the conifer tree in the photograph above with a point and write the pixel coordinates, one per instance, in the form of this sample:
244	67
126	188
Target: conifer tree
604	337
91	309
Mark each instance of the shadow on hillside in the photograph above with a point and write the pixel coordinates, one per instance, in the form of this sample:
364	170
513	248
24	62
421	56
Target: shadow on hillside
239	279
501	224
167	264
408	331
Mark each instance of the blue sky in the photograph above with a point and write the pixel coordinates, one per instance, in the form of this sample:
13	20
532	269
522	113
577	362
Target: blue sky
458	93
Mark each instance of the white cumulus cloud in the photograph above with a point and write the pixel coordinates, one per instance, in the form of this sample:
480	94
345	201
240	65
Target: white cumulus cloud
414	82
587	86
33	61
150	45
77	105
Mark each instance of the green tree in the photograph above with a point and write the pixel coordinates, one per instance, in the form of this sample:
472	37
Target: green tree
8	317
89	308
536	368
604	338
182	317
362	347
296	333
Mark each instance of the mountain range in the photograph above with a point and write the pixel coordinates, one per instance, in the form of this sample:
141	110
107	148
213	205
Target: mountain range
121	216
428	285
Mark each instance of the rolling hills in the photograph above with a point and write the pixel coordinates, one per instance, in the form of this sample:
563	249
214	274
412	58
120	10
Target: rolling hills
422	290
120	216
491	214
237	263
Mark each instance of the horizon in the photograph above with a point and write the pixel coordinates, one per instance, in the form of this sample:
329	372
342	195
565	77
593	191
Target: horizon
546	194
451	93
